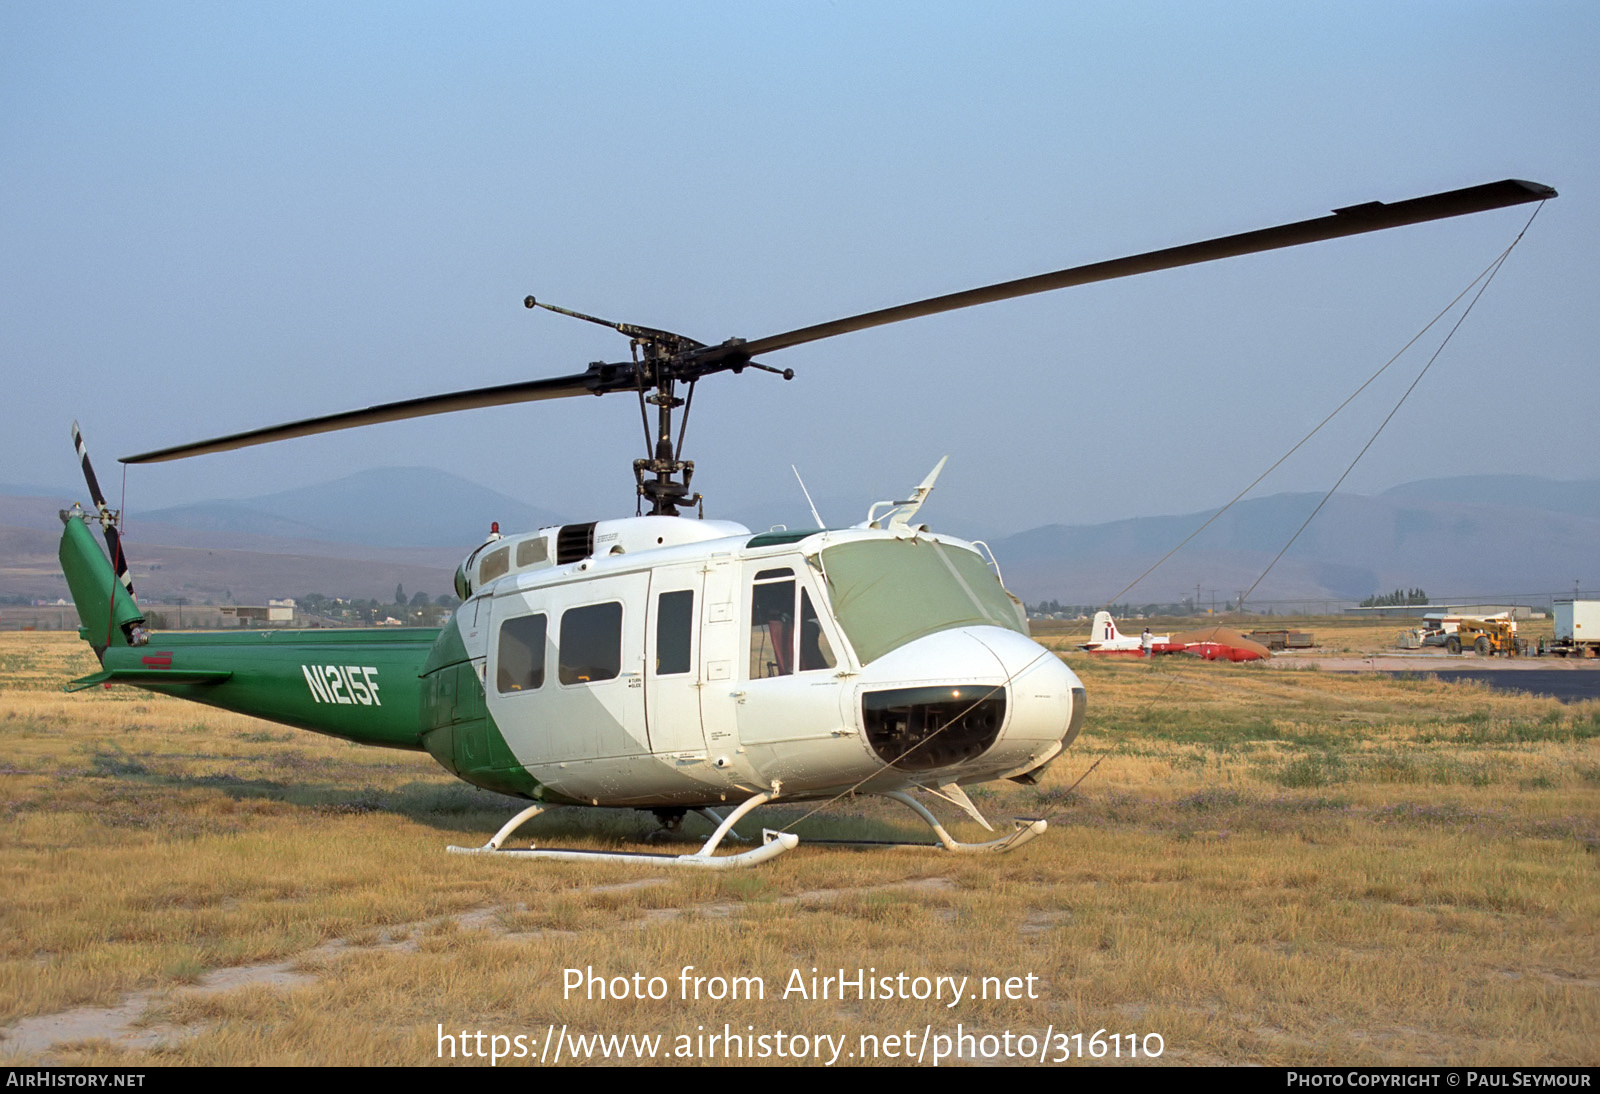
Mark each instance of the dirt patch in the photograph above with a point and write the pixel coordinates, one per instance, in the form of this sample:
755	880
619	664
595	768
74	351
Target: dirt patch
127	1024
124	1025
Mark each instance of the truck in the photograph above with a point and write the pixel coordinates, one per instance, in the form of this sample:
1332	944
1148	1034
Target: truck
1577	629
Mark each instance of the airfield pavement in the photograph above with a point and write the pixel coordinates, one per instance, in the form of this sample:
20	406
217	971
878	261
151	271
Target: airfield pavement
1569	680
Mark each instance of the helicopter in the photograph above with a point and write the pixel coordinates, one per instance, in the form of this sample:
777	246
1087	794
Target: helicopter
671	663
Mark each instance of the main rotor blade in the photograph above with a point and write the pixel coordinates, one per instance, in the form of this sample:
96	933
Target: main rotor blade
736	354
528	391
1371	217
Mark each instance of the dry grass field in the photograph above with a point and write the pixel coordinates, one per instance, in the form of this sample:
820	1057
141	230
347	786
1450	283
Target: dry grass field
1269	865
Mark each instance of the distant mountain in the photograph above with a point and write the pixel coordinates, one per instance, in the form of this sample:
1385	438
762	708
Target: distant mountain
1472	536
40	514
391	506
1581	498
202	575
355	537
359	536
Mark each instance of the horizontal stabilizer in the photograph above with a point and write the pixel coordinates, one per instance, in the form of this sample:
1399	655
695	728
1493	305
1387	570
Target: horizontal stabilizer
146	677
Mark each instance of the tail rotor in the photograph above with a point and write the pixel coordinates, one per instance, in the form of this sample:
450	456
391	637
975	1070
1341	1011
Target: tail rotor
108	516
108	520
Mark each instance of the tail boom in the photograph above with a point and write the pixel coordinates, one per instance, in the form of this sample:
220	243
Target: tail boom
359	685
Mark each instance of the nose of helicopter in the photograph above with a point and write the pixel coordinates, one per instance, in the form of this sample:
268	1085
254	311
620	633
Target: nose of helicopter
980	699
1046	698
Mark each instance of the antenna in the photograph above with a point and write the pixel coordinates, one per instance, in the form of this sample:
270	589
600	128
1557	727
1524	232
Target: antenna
807	493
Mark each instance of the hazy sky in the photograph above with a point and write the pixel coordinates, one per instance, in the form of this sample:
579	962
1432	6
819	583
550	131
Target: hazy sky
220	216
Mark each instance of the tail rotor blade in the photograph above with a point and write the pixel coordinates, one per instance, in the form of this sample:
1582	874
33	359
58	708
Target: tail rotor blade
108	519
95	493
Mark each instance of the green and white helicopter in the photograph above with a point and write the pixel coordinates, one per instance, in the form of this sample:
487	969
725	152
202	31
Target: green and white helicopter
668	663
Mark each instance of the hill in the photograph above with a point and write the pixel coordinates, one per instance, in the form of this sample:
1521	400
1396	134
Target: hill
390	506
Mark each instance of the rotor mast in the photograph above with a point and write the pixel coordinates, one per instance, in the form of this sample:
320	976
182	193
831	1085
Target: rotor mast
664	462
655	355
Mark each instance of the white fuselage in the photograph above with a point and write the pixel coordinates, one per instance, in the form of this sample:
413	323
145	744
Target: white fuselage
1105	638
691	663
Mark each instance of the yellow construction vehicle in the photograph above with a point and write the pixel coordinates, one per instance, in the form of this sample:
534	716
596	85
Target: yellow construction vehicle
1487	637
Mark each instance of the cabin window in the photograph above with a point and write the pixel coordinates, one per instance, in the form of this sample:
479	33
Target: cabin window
521	659
777	645
591	643
674	632
495	564
531	552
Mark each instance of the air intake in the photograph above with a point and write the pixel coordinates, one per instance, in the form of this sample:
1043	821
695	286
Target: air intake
574	543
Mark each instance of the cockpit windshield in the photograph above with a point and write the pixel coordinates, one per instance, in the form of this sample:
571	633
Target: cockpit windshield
887	592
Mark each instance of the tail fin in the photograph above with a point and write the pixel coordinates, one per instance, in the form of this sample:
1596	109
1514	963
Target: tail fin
1105	628
108	613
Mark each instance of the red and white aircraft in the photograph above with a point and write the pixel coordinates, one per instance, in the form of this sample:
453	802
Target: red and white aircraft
1211	643
1105	638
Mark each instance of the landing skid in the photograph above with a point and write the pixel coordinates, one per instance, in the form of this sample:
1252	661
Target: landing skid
1022	833
773	844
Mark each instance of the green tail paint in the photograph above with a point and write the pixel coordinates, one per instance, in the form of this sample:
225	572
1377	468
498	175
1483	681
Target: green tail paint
395	687
361	685
106	610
